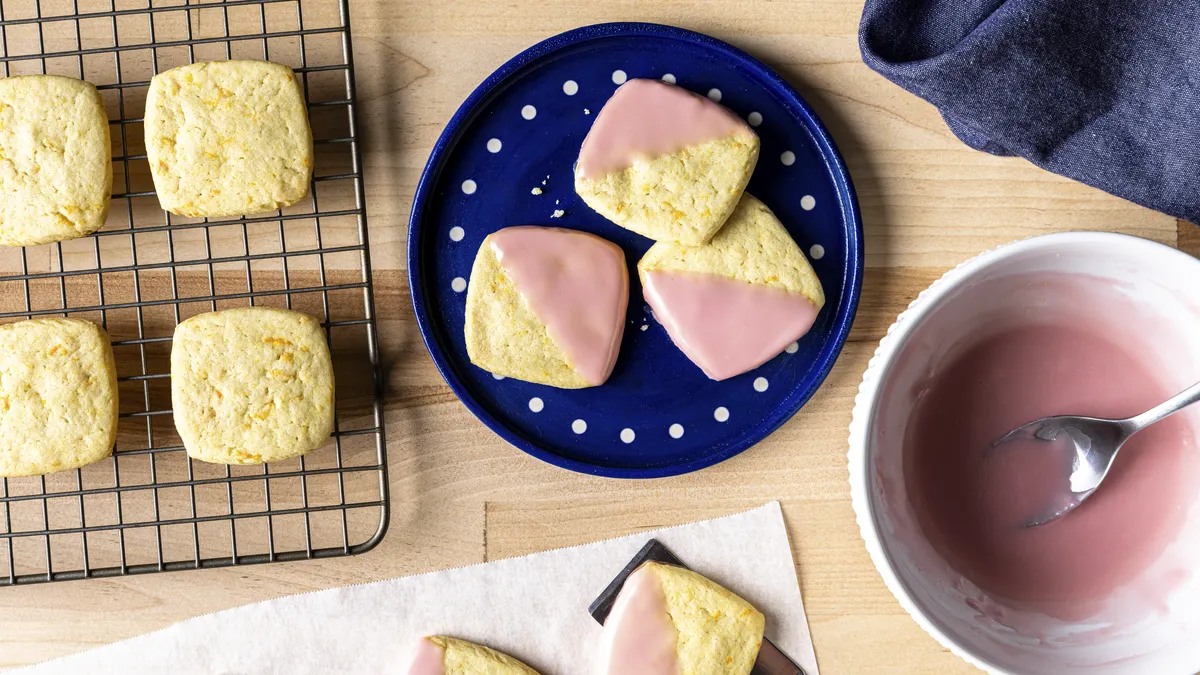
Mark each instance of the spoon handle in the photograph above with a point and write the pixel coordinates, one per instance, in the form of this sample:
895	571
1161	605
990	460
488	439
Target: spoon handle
1167	408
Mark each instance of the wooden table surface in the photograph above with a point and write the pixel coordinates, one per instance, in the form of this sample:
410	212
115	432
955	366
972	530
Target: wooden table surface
460	495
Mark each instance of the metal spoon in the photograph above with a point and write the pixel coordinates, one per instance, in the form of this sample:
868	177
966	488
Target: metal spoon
1096	443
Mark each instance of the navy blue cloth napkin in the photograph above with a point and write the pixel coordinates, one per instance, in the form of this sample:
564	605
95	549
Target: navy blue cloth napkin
1106	92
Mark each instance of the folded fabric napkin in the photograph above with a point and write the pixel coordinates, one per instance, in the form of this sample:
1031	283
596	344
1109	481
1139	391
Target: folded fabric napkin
1106	92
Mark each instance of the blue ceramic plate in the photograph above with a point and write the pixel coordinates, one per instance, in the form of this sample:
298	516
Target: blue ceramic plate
658	415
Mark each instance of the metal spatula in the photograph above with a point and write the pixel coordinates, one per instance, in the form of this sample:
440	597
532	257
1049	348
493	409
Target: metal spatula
770	661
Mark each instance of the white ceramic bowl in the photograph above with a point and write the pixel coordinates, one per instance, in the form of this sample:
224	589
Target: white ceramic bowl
1164	281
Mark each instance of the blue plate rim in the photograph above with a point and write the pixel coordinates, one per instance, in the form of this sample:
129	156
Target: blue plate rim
835	164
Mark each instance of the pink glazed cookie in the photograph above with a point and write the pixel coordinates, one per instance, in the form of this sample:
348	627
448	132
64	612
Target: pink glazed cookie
547	305
665	163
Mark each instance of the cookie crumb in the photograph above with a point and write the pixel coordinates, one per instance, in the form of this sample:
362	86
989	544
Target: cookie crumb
558	213
536	191
587	112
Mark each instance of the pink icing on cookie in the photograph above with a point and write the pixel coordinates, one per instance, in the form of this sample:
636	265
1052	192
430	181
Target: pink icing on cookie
647	119
639	637
575	283
427	659
725	326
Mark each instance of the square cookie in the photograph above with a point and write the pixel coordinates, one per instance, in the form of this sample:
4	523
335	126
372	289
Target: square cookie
58	396
55	160
228	138
547	305
251	385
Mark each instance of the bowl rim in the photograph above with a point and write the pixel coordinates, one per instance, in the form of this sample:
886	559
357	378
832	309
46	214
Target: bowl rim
880	365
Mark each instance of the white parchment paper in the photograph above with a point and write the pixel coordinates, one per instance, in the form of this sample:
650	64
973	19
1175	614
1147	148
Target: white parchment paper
534	608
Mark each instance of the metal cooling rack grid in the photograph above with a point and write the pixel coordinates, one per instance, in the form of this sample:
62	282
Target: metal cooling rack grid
149	508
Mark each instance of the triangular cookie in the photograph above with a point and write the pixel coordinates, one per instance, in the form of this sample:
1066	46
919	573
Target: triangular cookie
665	163
547	305
438	655
679	621
734	303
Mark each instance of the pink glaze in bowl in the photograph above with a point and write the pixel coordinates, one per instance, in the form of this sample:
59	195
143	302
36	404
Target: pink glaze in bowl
1143	614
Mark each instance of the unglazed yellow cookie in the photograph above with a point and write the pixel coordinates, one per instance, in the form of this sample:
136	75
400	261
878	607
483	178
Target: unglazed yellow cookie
547	305
439	655
719	633
665	163
251	385
58	396
55	160
228	138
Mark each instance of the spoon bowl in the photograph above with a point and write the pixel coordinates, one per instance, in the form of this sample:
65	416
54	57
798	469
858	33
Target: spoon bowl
1094	444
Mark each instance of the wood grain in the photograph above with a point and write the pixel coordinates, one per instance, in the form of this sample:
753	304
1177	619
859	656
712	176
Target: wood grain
460	495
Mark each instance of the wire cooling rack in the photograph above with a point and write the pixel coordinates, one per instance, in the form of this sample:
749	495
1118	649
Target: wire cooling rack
149	508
